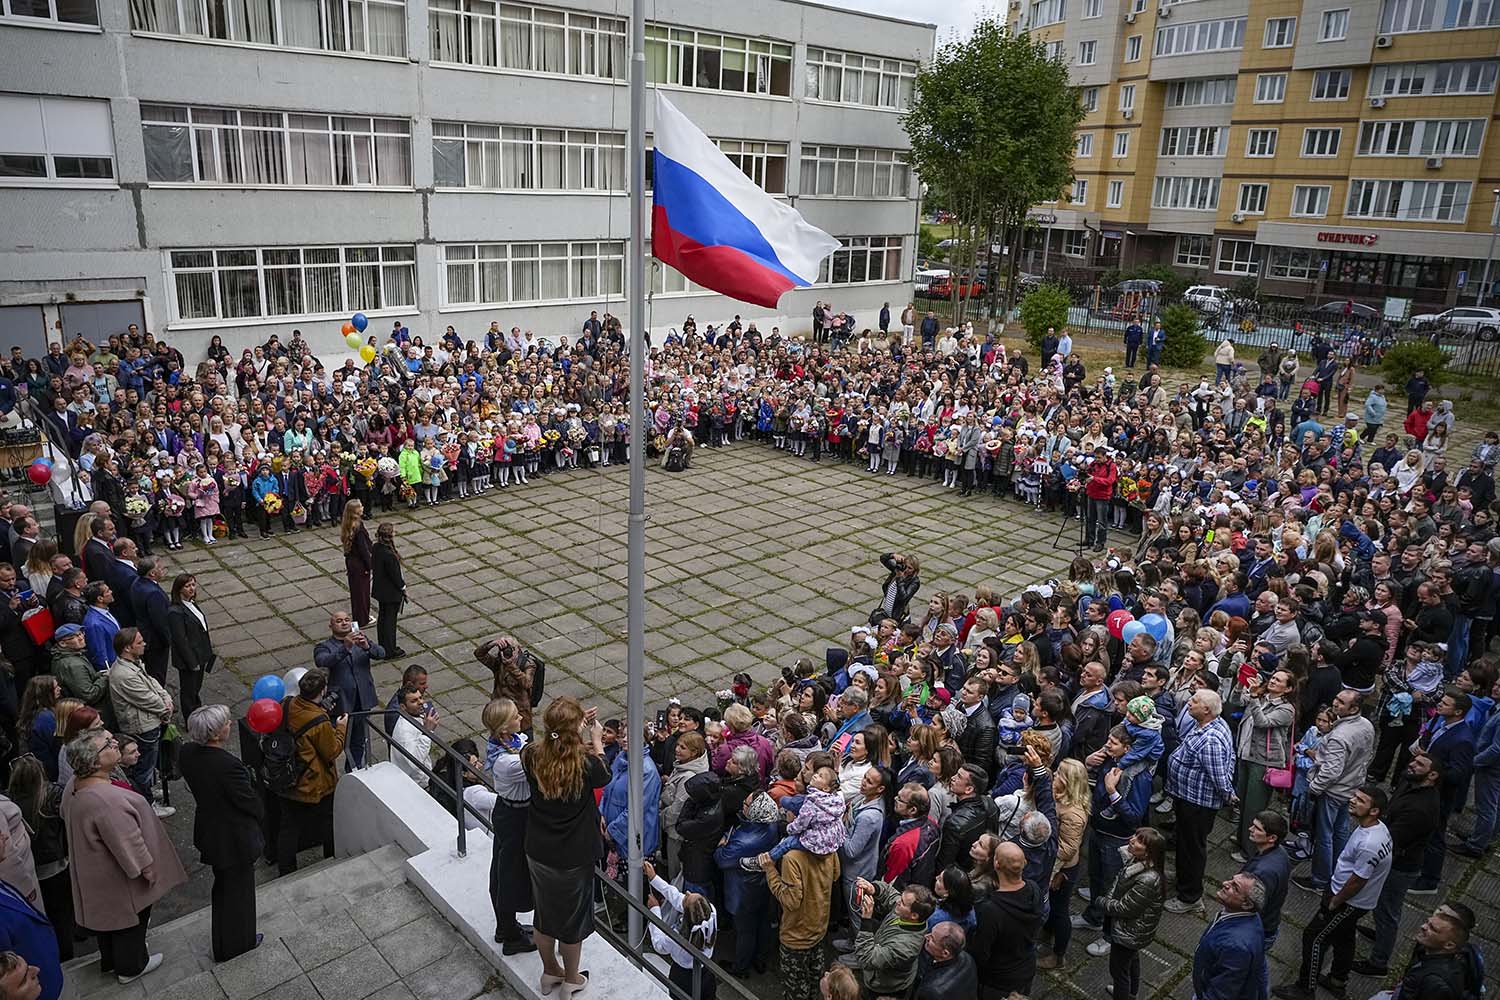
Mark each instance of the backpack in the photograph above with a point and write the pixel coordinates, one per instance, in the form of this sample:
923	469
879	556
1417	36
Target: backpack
281	766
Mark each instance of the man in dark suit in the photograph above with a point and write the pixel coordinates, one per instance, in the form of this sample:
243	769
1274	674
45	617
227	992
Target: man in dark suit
26	532
192	646
26	660
98	551
226	827
148	603
1448	742
293	491
346	656
121	574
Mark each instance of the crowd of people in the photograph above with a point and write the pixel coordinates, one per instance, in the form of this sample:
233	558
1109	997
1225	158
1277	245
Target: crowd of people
960	785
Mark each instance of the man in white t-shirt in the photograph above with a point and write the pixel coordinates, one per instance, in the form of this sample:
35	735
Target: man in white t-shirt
1359	874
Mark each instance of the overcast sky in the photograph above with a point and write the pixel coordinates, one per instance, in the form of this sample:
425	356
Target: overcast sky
948	15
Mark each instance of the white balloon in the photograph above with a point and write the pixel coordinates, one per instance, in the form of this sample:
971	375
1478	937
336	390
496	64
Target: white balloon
292	677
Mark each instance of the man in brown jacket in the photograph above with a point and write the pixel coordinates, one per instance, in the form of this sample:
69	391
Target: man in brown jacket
515	671
804	888
307	811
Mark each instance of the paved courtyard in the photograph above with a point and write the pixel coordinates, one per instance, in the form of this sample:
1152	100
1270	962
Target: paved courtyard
755	558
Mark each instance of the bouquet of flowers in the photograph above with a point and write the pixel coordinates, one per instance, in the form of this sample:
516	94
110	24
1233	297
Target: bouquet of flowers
407	491
137	507
1131	490
314	481
576	436
172	503
659	442
221	528
486	445
388	467
550	438
271	504
450	454
299	514
278	462
365	467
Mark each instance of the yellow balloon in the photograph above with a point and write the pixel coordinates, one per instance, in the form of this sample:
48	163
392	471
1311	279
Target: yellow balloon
354	340
367	354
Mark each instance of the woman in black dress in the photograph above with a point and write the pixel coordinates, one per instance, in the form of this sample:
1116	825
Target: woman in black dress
510	878
563	767
387	587
356	544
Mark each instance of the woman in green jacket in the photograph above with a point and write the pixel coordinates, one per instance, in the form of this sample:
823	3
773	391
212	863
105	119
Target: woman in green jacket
1133	909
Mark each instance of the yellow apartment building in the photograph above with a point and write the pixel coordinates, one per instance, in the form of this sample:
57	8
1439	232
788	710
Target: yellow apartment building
1327	148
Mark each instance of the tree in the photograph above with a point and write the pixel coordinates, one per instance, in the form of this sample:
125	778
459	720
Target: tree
1184	346
1044	306
992	133
1403	360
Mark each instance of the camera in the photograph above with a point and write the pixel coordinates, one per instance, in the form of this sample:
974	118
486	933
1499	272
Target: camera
330	701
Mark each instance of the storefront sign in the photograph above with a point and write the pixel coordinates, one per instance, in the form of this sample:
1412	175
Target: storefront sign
1359	239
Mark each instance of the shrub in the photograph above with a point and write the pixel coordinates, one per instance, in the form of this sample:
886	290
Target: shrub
1044	306
1409	356
1184	347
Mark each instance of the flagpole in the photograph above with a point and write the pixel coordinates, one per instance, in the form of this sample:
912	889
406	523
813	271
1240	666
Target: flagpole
635	710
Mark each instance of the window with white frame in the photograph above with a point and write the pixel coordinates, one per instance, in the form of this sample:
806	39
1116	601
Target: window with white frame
300	282
1261	142
1115	195
1195	140
850	78
1281	32
1429	137
1133	48
229	146
1270	88
1086	52
1253	198
55	142
1426	201
1075	243
1238	257
1194	251
1122	144
1054	50
1194	194
1464	76
1127	97
1085	144
863	259
1331	85
1290	262
853	172
80	12
1090	99
1203	92
527	38
1080	191
1334	26
1401	16
1091	8
508	273
1045	12
765	163
519	158
1310	201
1224	35
371	27
1321	141
683	57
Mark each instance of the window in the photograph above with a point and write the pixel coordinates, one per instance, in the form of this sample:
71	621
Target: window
1055	50
1116	195
1193	251
520	158
1127	97
528	39
1080	192
1090	99
1310	201
1399	16
58	11
1335	26
852	172
1331	85
1086	51
1469	76
372	27
504	273
1207	140
1280	32
1237	257
193	145
681	57
1091	8
1261	142
1429	201
1253	198
1045	12
303	282
861	259
1085	144
1286	262
1197	194
1437	137
1200	36
1122	144
847	78
1209	91
1321	141
1133	48
1076	243
55	141
1270	88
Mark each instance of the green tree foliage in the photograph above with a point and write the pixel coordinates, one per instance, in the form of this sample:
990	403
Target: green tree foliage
1185	346
1044	306
1410	356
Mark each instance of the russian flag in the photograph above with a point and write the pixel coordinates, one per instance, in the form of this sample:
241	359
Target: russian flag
711	222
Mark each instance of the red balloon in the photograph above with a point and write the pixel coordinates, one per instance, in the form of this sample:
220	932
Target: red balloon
1116	622
264	715
39	473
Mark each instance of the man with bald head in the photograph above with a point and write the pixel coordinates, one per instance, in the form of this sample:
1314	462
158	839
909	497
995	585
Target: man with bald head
944	969
1004	942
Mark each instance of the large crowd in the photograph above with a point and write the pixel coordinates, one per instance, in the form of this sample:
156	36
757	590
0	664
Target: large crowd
1293	637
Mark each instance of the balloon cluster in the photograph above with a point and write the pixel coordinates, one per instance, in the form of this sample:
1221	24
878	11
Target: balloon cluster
1123	626
352	331
264	714
40	471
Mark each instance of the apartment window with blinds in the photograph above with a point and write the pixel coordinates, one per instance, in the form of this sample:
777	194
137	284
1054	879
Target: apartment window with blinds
1253	198
55	142
1439	137
1318	142
1261	142
80	12
1210	140
1116	194
1400	16
853	172
1194	251
1331	85
1310	201
1206	92
1238	257
1200	36
522	158
369	27
1270	88
863	259
301	282
497	274
1194	194
850	78
1467	76
1281	32
682	57
195	145
1426	201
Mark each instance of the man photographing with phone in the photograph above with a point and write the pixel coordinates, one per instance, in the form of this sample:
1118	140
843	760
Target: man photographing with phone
346	655
520	675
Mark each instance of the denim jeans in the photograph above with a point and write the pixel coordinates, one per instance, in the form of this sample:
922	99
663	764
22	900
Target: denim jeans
1060	921
1329	838
1222	372
1486	807
1104	864
1458	647
1098	522
1388	915
143	774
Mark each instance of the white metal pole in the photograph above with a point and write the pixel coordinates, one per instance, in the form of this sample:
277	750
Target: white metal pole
1484	286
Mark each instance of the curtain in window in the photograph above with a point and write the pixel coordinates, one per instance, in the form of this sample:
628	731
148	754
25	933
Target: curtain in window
325	292
550	158
386	29
460	281
515	38
265	156
479	34
239	293
554	271
337	37
169	153
301	25
525	273
195	295
551	42
253	21
586	274
399	284
656	61
492	279
393	160
446	46
283	291
363	281
310	162
155	15
518	153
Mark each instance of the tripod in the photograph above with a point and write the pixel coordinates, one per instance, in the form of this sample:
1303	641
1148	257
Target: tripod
1083	522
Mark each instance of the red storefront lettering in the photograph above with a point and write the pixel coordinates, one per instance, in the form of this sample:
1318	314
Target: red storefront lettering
1362	239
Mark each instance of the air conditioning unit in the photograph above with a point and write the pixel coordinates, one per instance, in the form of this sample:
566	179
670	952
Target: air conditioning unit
1383	41
1130	17
1126	113
1164	12
1237	217
1377	102
1434	162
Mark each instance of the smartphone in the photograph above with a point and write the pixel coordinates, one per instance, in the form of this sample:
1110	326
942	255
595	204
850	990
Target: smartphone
661	718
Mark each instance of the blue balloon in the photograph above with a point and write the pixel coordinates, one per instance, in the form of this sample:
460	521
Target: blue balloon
42	460
360	321
1131	630
269	686
1156	626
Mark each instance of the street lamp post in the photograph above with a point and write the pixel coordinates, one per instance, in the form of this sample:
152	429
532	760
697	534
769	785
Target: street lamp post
1484	286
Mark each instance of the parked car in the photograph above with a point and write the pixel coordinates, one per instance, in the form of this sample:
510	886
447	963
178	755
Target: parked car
1465	321
1208	298
1334	311
1146	286
923	280
968	288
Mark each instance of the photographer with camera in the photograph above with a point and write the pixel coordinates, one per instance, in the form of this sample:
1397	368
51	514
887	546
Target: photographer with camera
346	657
900	587
307	807
1100	490
520	675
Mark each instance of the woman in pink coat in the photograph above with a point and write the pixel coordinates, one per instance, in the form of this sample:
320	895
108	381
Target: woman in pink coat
204	492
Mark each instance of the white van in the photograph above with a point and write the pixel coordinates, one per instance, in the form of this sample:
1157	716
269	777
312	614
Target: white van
924	280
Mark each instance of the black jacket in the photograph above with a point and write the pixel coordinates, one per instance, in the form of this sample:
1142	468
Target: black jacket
700	825
120	576
1411	816
906	587
97	558
387	585
226	824
967	820
1004	942
977	741
192	648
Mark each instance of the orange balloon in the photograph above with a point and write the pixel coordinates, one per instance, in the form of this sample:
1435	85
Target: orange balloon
347	329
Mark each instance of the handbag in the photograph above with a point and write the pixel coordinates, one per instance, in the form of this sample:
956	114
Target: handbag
1282	777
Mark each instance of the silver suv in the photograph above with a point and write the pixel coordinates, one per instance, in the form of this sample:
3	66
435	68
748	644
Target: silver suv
1482	322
